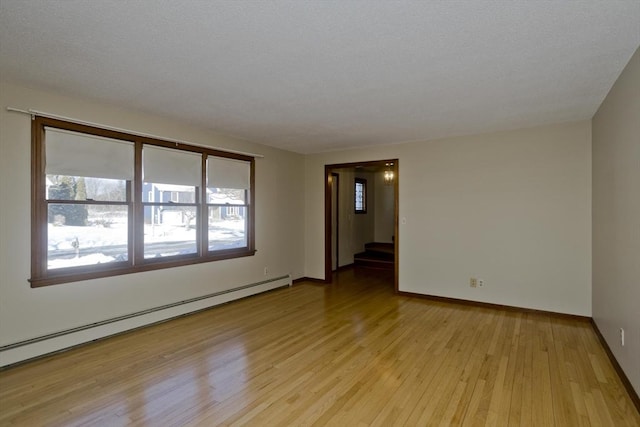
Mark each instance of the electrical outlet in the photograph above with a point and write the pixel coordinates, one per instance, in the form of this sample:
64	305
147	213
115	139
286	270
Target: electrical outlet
622	337
473	282
266	271
480	283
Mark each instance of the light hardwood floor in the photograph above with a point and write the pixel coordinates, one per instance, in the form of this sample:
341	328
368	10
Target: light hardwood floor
347	354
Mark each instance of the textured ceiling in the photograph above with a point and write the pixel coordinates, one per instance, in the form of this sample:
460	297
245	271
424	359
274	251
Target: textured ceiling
312	76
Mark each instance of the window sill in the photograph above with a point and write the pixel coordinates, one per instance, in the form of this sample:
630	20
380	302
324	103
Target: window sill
68	277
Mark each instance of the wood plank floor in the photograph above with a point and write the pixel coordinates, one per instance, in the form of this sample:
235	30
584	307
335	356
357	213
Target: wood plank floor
347	354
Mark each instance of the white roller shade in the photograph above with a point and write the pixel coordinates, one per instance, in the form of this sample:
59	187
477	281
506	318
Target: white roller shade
166	166
80	154
228	173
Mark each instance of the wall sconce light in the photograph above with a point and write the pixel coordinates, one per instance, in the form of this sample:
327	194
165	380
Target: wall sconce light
388	174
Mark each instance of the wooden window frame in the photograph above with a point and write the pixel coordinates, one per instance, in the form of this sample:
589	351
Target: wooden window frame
364	195
42	276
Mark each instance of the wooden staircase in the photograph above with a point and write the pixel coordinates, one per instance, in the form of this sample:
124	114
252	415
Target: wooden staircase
376	255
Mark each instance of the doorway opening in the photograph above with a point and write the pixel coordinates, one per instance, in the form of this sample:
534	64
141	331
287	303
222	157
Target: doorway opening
361	216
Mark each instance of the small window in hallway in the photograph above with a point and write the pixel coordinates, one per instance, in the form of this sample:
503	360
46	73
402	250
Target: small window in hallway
360	196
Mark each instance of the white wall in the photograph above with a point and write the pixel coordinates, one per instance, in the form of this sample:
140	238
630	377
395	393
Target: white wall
27	313
345	216
384	210
512	208
616	219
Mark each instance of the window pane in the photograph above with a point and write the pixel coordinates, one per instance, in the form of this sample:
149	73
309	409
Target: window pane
86	235
359	196
165	193
224	196
227	227
63	187
169	231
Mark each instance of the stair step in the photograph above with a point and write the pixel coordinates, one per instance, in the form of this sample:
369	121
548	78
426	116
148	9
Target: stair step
376	255
387	248
374	263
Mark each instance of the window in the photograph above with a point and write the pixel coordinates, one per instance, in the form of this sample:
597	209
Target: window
108	203
228	184
175	175
361	196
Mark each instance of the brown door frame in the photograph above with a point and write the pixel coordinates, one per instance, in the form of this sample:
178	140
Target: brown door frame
335	179
328	170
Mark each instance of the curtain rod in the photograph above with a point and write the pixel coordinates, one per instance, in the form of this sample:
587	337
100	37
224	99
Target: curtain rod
34	113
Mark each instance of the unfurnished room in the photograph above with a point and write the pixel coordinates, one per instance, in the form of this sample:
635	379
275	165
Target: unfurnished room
310	212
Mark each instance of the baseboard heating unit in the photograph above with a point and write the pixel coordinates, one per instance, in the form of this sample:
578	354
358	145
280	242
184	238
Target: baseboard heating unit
50	343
